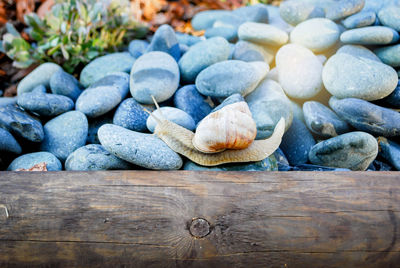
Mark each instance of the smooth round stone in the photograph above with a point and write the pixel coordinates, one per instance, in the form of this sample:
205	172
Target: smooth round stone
189	100
393	100
62	83
299	71
354	150
246	51
235	98
390	17
137	48
165	40
268	103
347	76
118	80
131	115
297	143
367	117
343	8
19	122
262	33
95	124
205	19
187	39
145	150
94	102
27	161
105	65
94	157
389	55
255	13
316	34
360	19
273	74
229	33
5	101
40	76
372	35
268	164
45	104
154	73
358	51
375	6
390	151
8	143
201	56
64	134
323	121
229	77
294	12
275	19
172	114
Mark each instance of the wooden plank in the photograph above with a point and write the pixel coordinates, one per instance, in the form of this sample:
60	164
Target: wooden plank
155	219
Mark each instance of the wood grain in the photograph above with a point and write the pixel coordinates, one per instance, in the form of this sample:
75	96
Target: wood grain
151	219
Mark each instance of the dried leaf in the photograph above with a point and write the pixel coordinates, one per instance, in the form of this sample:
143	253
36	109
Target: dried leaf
37	167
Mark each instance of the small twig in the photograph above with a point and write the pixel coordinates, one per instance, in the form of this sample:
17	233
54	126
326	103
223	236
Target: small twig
6	210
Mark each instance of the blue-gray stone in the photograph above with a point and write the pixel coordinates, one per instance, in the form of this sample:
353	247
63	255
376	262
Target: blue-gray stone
131	115
255	13
281	157
390	17
95	124
145	150
247	51
137	48
323	121
40	76
375	6
45	104
4	101
377	165
105	65
268	104
262	33
389	55
94	102
201	56
165	40
19	122
184	48
118	80
371	35
297	142
187	39
308	167
393	100
367	117
188	99
343	8
360	19
94	157
358	51
354	150
8	142
229	33
63	83
205	19
390	151
27	161
230	100
64	134
347	76
268	164
172	114
275	19
294	11
155	73
229	77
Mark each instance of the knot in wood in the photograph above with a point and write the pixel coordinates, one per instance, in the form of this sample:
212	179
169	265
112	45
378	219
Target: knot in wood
199	228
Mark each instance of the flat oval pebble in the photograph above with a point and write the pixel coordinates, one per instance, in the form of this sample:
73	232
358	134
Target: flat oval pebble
228	33
299	71
154	73
367	117
164	39
19	122
347	76
145	150
316	34
172	114
119	80
360	19
205	19
323	121
229	77
390	151
358	51
105	65
187	39
247	51
137	48
262	33
8	143
40	76
390	17
94	102
343	8
27	161
372	35
389	55
294	12
255	13
63	83
268	103
189	100
201	56
131	115
94	157
5	101
64	134
354	150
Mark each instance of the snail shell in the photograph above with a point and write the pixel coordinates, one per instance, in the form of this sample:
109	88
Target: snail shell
232	127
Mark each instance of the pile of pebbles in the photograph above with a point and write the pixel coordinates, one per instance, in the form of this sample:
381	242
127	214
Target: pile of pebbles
326	66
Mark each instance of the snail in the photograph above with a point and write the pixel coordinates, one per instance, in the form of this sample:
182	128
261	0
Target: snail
179	139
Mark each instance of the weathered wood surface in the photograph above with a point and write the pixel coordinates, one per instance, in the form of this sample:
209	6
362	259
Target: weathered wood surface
143	219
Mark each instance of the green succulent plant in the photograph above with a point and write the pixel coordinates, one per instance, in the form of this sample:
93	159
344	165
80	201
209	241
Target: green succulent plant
74	32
